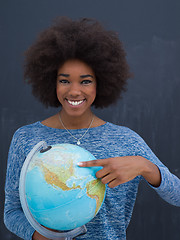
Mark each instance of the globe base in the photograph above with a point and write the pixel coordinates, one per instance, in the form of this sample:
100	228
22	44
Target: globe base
67	235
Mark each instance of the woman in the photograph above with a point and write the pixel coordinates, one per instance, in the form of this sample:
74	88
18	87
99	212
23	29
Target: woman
76	65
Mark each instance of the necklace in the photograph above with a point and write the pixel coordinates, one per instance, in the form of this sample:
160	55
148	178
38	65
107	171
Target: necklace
77	139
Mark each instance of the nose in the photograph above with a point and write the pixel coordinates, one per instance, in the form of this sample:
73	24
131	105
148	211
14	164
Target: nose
75	90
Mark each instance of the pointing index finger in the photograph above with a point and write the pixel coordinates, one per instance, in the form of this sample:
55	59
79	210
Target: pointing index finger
92	163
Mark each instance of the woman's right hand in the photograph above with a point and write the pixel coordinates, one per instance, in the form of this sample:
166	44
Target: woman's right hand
38	236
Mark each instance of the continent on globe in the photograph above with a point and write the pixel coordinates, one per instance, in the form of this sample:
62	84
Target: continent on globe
60	194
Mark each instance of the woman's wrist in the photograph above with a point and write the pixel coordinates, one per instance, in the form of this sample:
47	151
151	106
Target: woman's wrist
150	172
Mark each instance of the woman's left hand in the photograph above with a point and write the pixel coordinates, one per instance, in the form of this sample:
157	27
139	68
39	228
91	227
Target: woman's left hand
119	170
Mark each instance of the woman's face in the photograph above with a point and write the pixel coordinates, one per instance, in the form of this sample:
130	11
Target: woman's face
76	87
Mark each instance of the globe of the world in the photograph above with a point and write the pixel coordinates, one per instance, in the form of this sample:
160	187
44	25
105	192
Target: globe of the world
59	194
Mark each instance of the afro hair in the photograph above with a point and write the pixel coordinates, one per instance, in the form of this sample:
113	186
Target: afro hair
84	39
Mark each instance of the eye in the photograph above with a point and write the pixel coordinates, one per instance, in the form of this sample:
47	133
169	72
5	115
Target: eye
63	81
86	82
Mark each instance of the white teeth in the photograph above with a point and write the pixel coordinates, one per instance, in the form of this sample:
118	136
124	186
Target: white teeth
75	103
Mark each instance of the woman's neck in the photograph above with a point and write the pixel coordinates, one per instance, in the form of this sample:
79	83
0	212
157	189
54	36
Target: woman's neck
72	122
76	122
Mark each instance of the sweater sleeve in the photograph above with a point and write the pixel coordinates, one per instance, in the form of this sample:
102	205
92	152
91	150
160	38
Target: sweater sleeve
169	189
14	217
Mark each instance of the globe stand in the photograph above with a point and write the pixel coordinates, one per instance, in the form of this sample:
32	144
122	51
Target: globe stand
60	235
67	235
73	233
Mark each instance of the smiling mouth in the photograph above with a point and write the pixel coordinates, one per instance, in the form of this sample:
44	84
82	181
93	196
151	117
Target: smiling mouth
75	103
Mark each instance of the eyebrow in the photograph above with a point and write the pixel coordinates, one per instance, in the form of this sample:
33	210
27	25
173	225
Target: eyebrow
82	76
87	75
63	75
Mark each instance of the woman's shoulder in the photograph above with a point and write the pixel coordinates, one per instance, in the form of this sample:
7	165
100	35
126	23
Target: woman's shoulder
120	128
23	130
123	134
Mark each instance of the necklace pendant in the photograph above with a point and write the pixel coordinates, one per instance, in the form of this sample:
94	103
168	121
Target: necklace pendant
78	142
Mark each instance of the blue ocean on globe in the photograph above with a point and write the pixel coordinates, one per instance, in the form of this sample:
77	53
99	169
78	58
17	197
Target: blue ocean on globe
60	194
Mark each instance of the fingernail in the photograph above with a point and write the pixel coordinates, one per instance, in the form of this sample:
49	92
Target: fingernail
80	164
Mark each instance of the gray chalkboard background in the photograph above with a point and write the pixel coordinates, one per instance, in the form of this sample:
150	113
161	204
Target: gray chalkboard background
150	31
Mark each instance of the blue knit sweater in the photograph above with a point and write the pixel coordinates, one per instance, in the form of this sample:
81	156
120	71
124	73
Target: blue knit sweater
105	141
